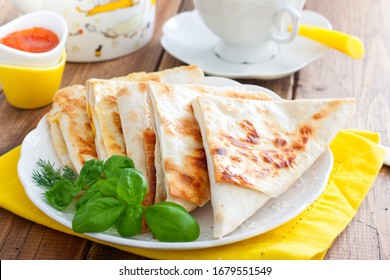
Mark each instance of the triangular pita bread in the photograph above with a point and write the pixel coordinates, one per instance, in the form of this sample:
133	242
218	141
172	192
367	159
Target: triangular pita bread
181	165
70	127
256	150
138	133
103	110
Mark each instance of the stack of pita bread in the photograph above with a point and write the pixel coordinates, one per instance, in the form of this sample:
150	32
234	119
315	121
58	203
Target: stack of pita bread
194	142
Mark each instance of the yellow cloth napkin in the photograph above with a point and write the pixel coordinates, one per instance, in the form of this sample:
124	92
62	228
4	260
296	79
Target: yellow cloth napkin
358	160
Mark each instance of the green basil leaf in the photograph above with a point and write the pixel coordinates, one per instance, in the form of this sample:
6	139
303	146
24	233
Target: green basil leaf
132	186
109	187
130	222
97	215
96	186
87	197
114	164
90	173
62	194
170	222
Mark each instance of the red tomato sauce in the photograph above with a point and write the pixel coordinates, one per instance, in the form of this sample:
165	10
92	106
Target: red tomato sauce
34	40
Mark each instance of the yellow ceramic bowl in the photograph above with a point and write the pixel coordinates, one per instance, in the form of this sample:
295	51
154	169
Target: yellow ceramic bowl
29	87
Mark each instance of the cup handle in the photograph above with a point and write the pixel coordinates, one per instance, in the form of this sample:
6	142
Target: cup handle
295	20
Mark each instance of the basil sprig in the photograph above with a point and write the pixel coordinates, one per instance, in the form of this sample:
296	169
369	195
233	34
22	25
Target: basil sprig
168	220
112	196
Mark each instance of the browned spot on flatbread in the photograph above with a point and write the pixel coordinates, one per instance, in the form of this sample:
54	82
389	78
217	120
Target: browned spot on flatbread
285	154
235	159
142	87
306	130
184	127
280	159
117	121
252	136
110	100
321	114
86	147
150	77
88	126
298	145
190	183
149	138
165	90
246	95
117	148
326	111
236	142
196	159
219	151
279	142
251	133
190	109
229	174
123	92
117	127
133	116
232	162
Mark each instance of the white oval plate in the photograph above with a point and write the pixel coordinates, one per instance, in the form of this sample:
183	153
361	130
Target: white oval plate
297	198
188	39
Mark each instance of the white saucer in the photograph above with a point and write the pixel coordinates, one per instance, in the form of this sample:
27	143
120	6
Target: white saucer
187	38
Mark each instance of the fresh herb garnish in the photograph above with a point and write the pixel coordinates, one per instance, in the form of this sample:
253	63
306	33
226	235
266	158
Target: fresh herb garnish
62	194
169	220
69	174
48	175
113	192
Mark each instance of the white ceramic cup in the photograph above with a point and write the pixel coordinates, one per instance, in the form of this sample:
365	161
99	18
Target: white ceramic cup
250	30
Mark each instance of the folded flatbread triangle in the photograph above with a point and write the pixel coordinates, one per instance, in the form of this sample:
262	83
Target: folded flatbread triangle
103	112
139	136
256	150
70	127
181	165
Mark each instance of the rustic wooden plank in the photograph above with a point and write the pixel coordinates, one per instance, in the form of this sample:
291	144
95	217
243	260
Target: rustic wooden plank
6	222
17	123
336	75
14	241
53	245
23	239
103	252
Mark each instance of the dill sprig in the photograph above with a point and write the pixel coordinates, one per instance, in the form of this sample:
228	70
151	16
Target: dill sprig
69	174
48	175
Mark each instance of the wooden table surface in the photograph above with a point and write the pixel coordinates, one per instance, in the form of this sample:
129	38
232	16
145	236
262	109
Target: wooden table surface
335	75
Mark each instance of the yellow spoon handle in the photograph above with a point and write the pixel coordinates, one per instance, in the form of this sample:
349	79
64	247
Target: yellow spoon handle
343	42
